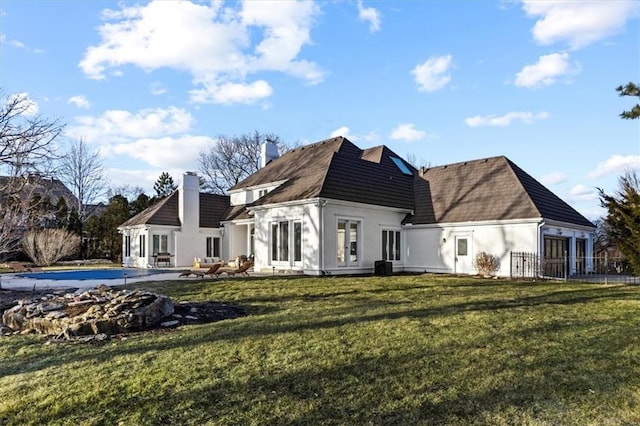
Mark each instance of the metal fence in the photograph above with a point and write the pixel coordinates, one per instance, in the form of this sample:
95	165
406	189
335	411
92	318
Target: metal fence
602	269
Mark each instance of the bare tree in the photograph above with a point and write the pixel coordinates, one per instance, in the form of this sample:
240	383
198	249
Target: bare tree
47	246
418	164
83	172
232	159
26	154
26	141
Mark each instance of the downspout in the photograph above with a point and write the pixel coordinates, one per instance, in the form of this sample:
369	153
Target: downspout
539	241
322	204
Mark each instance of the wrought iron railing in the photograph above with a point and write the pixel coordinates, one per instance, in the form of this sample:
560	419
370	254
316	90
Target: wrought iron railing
601	268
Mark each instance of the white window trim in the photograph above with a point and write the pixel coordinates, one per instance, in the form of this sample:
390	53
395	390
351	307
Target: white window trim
290	261
348	221
399	250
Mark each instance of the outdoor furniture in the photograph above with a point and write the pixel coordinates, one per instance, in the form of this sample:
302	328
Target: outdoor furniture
211	271
159	258
19	267
233	271
197	274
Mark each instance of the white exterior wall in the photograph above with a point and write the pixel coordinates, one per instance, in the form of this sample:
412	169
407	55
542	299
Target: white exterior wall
431	248
372	221
319	254
189	245
308	215
246	196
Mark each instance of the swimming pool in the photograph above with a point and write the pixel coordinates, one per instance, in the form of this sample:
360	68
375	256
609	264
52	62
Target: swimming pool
92	274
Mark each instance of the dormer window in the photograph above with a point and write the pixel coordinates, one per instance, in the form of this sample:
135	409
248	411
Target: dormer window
262	193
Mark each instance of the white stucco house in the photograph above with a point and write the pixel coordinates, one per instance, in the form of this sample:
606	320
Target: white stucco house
332	208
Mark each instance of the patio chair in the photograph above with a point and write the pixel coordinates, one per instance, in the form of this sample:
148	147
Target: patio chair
212	271
231	272
19	267
187	274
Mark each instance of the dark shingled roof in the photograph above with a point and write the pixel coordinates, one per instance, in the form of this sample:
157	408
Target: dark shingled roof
488	189
480	190
165	211
52	188
335	168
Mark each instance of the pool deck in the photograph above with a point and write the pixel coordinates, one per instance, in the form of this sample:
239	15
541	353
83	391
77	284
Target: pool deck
15	282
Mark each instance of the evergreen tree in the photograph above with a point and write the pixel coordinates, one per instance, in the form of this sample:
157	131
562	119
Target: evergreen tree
140	203
630	89
62	214
622	223
74	224
104	239
164	185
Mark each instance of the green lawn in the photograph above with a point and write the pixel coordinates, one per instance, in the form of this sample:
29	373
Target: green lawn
401	350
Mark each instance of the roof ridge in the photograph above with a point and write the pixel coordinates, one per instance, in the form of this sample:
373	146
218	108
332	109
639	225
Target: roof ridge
523	187
467	162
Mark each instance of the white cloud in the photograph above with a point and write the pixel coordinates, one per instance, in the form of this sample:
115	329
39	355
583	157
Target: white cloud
617	164
433	74
578	23
219	46
167	152
28	106
583	193
158	88
230	93
346	132
506	119
370	15
14	43
407	132
546	71
340	131
554	178
118	125
80	101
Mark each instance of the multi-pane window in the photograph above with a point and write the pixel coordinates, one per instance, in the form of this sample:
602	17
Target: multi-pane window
282	240
143	245
212	247
127	246
391	247
347	242
160	243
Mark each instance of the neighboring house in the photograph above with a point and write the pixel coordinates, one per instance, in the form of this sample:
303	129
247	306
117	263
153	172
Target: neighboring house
333	208
44	187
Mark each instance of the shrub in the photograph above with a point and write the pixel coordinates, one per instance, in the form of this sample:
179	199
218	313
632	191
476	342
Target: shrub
486	264
47	246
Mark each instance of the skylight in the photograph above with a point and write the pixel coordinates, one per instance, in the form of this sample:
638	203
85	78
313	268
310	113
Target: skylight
401	165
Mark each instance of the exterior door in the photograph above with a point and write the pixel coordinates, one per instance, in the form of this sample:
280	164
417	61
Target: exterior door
463	264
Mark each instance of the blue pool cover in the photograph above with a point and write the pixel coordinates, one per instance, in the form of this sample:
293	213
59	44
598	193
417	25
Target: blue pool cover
92	274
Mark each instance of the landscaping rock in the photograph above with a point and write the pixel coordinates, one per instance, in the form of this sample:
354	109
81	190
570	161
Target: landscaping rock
82	318
99	311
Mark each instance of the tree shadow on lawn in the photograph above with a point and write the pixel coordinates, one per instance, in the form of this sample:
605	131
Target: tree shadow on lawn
399	388
262	321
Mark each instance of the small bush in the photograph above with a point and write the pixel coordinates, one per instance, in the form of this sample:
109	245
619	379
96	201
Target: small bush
486	264
49	245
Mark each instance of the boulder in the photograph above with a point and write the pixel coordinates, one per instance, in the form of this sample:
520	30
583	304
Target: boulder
99	311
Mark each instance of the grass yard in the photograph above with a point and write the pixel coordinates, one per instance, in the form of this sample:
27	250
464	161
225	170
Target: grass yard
398	350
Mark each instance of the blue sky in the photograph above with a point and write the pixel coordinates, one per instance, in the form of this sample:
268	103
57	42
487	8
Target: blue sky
151	84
